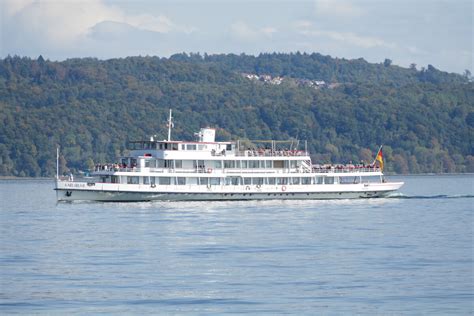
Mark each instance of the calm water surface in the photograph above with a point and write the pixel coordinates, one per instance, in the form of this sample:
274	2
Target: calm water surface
411	253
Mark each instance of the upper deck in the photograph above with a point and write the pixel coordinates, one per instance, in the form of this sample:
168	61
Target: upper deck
208	156
207	148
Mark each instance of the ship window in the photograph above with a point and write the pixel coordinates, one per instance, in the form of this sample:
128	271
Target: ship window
257	181
372	179
244	164
319	180
348	180
237	163
178	164
268	164
293	163
306	180
181	181
271	181
253	164
153	180
262	164
146	180
168	164
295	181
115	179
192	180
191	146
247	181
133	162
228	147
174	146
278	163
203	181
282	181
161	146
229	164
198	164
164	180
183	146
232	181
215	181
217	164
329	180
132	180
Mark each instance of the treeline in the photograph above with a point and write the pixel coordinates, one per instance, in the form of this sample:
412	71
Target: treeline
91	108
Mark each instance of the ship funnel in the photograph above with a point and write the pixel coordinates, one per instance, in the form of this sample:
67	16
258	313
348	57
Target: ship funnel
207	135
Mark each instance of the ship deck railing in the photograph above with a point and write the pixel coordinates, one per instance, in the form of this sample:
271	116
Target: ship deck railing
269	153
315	169
344	169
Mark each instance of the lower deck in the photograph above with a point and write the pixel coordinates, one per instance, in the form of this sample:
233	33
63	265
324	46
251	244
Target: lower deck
116	192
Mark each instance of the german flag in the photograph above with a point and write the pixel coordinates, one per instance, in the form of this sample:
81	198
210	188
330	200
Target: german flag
379	158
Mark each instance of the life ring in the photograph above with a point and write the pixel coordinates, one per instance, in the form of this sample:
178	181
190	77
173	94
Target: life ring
283	188
208	186
153	185
209	170
247	188
259	186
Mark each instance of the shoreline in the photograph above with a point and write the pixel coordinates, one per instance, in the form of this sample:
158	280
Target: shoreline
25	178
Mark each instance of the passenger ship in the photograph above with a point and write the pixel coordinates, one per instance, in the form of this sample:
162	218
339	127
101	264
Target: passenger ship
204	169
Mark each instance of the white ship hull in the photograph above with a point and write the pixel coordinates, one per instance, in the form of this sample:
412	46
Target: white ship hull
76	191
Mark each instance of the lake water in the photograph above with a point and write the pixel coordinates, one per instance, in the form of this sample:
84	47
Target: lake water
411	253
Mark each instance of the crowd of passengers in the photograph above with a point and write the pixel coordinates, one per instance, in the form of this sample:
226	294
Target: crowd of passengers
113	166
325	167
349	166
270	152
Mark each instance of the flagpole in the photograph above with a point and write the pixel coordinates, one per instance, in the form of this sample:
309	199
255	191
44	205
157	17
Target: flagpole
57	162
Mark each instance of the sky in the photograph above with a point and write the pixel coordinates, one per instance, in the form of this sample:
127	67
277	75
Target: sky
421	32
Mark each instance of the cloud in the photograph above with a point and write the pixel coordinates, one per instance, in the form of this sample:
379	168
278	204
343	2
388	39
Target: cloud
59	21
11	7
65	25
307	28
339	8
243	31
160	24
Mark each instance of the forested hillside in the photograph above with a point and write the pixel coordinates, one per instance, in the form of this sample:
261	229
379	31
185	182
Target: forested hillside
91	108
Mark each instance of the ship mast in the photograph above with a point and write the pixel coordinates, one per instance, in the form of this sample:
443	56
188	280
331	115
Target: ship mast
170	125
57	162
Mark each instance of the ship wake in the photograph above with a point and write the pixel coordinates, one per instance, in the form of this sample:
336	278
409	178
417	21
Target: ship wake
397	195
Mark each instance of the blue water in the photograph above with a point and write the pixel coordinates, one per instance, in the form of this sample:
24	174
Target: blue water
411	253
